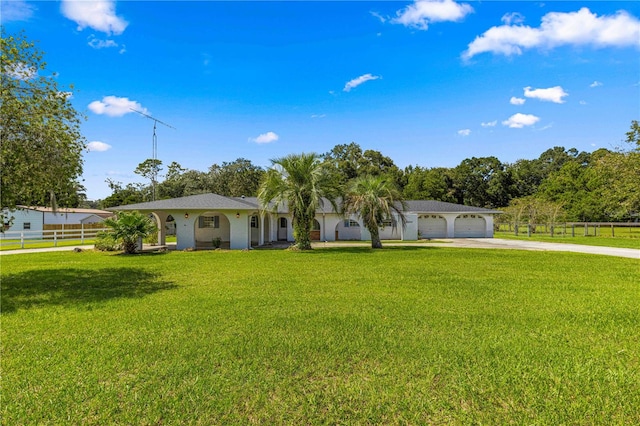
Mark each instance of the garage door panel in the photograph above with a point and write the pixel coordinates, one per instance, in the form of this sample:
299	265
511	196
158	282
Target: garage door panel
470	226
432	227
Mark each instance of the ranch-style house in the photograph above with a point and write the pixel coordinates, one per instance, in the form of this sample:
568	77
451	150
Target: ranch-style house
239	222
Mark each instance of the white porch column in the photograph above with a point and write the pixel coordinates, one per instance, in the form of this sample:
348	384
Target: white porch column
185	230
451	223
239	231
261	233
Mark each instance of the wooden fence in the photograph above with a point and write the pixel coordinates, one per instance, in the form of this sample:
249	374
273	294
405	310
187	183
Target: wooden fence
84	234
574	229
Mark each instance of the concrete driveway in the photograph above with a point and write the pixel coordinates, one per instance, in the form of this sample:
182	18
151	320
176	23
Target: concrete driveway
497	243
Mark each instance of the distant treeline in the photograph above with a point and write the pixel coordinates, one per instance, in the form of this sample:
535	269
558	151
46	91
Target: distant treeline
561	184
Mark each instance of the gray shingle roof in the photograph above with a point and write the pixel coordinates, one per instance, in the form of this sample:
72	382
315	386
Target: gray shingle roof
431	206
219	202
194	202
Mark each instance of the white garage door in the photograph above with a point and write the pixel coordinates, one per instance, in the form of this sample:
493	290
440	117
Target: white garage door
432	226
470	226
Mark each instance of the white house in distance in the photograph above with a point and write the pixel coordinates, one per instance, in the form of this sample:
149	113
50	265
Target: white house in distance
239	223
33	219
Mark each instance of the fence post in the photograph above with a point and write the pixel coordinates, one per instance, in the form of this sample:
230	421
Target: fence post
516	228
55	238
573	229
586	229
528	230
613	233
82	233
21	239
552	230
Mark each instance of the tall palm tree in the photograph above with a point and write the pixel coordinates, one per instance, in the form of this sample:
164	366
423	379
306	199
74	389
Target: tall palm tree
374	199
300	181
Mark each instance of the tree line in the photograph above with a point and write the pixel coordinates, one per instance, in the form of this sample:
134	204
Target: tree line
561	184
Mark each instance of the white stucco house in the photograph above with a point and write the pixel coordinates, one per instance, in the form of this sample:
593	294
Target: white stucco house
32	220
239	223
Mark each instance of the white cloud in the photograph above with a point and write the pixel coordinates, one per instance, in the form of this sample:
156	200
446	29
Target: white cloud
517	101
489	123
318	115
518	121
101	44
464	132
352	84
16	10
581	28
595	84
115	107
552	94
424	12
583	102
97	14
378	16
97	146
265	138
512	18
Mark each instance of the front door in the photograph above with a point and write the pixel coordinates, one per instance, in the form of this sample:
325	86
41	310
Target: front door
282	229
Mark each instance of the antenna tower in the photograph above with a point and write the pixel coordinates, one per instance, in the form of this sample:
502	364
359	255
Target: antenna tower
154	170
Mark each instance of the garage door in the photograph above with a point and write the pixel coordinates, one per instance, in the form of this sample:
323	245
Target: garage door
432	226
470	226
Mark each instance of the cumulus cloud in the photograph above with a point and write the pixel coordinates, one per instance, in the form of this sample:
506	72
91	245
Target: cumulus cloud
489	123
552	94
517	101
97	14
16	10
114	106
97	146
265	138
595	84
424	12
318	115
464	132
352	84
581	28
519	120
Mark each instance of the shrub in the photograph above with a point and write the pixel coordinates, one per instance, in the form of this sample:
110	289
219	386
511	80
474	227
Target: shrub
106	242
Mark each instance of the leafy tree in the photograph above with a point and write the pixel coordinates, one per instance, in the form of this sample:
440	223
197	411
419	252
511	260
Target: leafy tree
235	179
481	182
302	182
429	184
149	169
129	227
349	162
120	196
374	199
40	141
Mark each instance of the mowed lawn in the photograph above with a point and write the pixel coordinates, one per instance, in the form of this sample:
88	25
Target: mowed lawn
404	335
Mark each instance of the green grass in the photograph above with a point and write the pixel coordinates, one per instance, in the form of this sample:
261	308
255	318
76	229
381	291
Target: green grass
606	240
406	335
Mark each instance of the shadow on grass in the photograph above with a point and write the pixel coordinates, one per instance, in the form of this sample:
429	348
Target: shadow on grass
67	286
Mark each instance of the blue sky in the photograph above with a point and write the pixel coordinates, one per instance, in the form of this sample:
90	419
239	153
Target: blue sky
427	83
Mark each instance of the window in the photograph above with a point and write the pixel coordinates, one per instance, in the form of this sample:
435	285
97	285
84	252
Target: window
254	221
283	222
315	226
26	225
209	222
351	223
387	222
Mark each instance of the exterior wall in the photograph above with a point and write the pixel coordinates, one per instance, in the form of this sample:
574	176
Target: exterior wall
239	231
63	218
92	219
207	235
22	217
410	232
348	233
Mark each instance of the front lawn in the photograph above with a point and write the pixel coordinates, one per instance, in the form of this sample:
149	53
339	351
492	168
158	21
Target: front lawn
403	335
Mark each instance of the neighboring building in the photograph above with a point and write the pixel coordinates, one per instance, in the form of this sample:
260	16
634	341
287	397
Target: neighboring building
239	222
30	220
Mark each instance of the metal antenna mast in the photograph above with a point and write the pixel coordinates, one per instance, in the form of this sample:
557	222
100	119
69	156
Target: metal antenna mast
154	170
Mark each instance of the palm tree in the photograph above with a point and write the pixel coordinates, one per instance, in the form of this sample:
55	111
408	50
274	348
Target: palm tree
300	181
374	199
129	227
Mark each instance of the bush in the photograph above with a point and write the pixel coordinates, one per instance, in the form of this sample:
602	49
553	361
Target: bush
106	242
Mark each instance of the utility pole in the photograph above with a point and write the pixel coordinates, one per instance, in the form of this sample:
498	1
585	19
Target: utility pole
154	171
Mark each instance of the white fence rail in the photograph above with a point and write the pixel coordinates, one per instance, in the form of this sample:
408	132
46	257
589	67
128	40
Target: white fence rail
22	239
